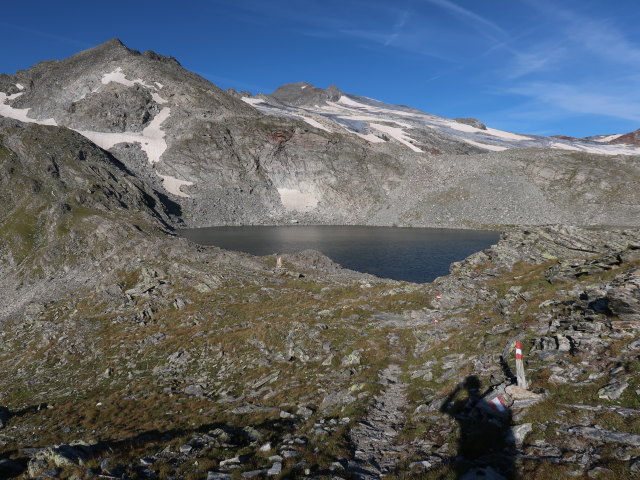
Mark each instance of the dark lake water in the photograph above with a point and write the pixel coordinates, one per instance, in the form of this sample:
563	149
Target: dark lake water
411	254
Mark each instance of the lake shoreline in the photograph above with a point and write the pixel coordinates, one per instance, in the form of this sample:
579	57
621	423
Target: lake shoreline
417	255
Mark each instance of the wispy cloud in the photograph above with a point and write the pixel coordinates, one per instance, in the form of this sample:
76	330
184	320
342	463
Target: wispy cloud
537	59
477	21
582	100
574	63
401	21
600	37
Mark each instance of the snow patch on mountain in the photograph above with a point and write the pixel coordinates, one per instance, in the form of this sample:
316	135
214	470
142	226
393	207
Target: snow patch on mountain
607	138
369	137
21	114
157	98
151	139
295	200
173	184
351	103
315	123
505	135
486	146
398	134
118	76
564	146
252	101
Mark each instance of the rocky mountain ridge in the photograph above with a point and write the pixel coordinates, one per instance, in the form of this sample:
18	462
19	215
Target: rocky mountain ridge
352	160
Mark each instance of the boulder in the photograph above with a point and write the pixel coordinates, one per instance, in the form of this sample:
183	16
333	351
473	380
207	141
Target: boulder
605	436
519	432
218	476
624	297
613	390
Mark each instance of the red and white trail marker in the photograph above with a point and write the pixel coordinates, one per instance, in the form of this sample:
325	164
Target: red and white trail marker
279	262
498	404
522	381
438	296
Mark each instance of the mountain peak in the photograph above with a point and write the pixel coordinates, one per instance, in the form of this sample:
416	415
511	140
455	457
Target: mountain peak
116	42
304	93
111	44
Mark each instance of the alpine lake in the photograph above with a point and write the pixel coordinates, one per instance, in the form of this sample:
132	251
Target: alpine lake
410	254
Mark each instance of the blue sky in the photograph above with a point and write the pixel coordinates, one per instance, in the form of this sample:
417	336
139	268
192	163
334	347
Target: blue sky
533	66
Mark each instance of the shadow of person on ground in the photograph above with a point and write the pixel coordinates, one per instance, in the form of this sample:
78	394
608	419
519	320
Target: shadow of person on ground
486	448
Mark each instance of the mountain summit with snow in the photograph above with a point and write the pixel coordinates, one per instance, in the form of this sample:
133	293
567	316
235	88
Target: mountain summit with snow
312	155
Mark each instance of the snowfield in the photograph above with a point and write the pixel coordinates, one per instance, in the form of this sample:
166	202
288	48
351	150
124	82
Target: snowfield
296	200
21	114
172	185
315	123
363	117
151	139
486	146
118	76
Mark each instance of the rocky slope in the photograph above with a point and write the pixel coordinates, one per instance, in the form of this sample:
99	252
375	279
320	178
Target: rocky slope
130	353
68	208
631	138
310	155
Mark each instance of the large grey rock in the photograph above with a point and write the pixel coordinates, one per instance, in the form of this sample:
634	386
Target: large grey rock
624	297
613	390
218	476
275	469
474	122
303	93
519	432
605	436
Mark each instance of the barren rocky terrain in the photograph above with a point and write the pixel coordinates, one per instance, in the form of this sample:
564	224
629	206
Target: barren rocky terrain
130	353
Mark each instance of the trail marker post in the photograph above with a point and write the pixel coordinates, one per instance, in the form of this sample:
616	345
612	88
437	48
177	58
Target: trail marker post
279	263
522	381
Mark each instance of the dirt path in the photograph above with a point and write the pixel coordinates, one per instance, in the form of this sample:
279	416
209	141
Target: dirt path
374	438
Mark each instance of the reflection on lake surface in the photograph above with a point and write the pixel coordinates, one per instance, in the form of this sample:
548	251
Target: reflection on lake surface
411	254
